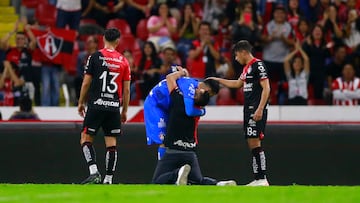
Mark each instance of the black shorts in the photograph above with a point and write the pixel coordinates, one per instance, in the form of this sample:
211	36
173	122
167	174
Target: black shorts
110	121
254	129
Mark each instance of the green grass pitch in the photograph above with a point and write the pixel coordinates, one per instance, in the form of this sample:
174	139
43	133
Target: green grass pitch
52	193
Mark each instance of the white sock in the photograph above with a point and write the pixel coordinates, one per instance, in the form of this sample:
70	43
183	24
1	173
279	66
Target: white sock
108	179
93	169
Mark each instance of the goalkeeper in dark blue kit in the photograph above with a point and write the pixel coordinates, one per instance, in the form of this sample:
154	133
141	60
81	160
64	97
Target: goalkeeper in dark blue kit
180	165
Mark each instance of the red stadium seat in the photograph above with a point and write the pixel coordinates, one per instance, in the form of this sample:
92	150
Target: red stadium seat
30	3
141	30
46	14
33	3
128	42
120	24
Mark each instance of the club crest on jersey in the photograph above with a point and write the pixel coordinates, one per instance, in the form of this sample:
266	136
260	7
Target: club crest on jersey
49	44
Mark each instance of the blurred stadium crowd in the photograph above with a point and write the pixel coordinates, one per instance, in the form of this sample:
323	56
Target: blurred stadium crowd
311	47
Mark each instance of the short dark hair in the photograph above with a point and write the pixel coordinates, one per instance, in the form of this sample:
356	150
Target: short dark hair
213	84
111	34
203	99
205	23
242	45
20	33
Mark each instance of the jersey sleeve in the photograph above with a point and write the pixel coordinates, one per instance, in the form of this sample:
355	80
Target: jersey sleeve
261	70
187	86
191	109
89	67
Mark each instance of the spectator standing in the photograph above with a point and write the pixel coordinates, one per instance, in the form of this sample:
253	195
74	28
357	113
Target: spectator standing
245	28
344	11
297	71
331	25
87	8
302	30
278	37
212	10
68	13
149	66
294	13
137	10
204	53
162	27
188	30
18	60
106	10
352	30
316	48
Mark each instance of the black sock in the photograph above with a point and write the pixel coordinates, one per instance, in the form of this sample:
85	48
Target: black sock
111	159
259	163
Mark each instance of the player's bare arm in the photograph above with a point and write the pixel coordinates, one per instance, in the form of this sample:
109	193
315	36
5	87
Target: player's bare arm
172	77
83	94
264	97
126	99
229	83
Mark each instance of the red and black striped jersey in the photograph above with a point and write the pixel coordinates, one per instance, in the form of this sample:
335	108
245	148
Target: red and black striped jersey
108	69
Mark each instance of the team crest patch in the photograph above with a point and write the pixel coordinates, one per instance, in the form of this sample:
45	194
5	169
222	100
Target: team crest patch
49	44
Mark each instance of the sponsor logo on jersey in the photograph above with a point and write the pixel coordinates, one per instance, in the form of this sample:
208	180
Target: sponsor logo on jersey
261	68
248	87
120	59
101	102
181	143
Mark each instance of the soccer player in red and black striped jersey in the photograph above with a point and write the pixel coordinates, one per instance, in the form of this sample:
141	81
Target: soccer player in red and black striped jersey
254	80
107	74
